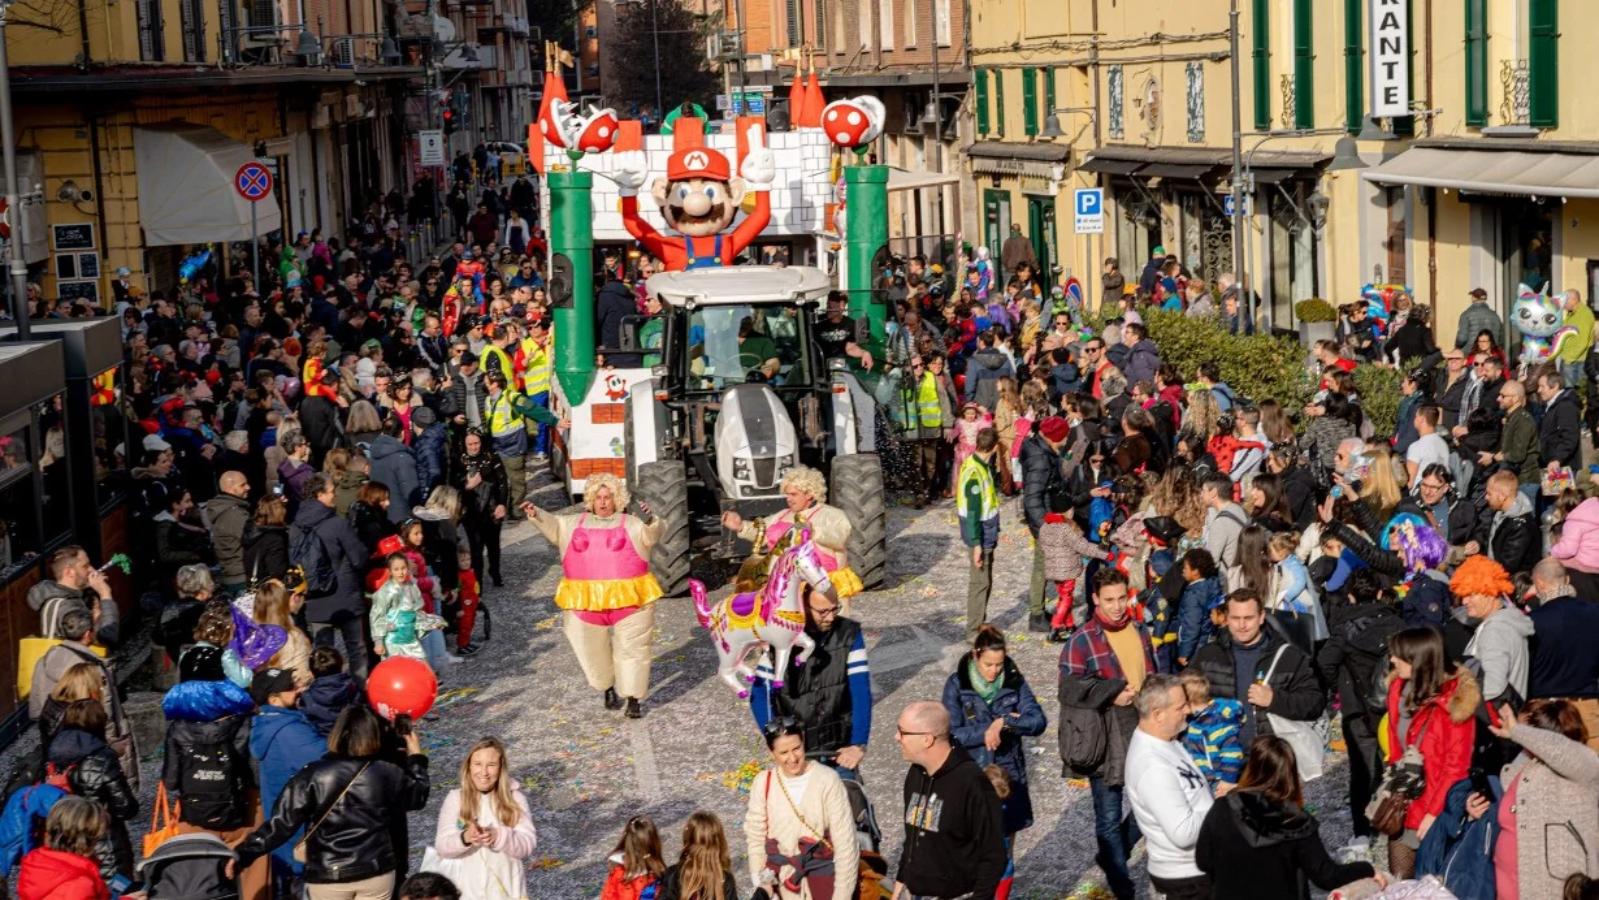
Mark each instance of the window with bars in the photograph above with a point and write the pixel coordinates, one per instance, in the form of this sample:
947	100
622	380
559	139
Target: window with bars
822	13
151	41
791	14
192	20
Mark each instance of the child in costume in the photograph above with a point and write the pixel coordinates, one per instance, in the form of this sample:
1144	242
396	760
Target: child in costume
398	617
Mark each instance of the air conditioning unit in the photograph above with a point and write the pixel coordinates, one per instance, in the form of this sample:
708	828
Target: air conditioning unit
342	53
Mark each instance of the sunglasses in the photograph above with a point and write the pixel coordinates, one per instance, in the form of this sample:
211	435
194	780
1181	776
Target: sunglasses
779	726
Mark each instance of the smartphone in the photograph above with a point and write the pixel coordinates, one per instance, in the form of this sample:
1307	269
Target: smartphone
1480	785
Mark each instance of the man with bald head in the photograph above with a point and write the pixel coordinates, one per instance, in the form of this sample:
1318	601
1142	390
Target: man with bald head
954	839
1563	665
226	516
1518	441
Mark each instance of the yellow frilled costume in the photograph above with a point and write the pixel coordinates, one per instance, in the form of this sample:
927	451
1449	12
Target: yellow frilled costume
607	593
829	529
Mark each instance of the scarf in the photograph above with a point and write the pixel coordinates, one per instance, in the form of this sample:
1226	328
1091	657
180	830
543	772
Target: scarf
1113	626
987	690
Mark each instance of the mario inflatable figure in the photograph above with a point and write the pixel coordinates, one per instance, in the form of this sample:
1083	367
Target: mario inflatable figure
699	198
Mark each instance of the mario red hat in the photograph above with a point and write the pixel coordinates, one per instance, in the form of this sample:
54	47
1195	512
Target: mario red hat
698	162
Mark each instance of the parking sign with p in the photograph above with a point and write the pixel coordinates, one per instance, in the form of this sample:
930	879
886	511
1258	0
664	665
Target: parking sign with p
1089	206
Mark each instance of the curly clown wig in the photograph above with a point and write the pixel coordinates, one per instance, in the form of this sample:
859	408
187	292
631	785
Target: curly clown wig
1419	545
1481	575
806	480
616	486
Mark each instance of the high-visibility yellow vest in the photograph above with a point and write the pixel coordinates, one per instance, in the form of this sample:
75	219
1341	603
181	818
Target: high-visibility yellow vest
974	469
504	420
492	351
928	408
536	377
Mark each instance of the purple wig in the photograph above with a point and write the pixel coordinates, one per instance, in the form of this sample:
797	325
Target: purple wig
1420	546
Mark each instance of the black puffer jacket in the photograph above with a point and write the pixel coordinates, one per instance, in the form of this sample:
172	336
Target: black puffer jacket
1356	646
1254	848
347	555
1295	692
214	759
353	842
1043	484
266	551
94	772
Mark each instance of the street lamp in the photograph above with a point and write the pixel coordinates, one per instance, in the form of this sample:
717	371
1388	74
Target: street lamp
1052	129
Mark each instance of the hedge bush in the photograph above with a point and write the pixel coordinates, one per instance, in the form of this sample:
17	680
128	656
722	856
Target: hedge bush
1315	310
1257	366
1379	396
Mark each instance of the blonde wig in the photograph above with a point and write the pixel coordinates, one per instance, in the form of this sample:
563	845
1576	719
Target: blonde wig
806	480
606	480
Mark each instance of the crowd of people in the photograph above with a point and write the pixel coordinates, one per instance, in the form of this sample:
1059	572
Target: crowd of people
327	462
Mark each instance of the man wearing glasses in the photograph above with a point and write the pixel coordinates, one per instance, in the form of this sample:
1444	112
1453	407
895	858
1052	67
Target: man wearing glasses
954	837
830	695
1095	364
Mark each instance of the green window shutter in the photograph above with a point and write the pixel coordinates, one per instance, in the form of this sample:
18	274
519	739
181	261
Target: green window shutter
1030	102
1354	66
999	101
980	90
1543	61
1049	90
1477	62
1260	39
1304	66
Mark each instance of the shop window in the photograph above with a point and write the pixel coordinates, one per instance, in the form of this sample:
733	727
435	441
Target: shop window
996	220
20	532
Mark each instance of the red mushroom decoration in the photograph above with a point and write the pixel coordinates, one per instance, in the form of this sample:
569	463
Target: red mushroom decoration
596	133
853	123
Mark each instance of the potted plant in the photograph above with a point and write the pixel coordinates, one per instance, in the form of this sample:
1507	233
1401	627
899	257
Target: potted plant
1317	319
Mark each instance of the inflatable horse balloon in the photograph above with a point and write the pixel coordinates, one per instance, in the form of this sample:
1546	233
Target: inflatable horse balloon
774	615
1541	322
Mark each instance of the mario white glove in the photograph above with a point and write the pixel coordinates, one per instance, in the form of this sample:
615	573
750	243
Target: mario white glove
630	171
759	168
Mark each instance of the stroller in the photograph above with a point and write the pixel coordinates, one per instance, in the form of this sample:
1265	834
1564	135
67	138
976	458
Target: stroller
190	867
868	837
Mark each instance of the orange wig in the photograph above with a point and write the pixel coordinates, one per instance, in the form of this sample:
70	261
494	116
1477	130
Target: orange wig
1481	575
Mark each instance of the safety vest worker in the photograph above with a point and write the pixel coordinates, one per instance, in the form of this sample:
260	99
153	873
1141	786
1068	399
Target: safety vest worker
928	409
507	425
974	471
536	368
495	359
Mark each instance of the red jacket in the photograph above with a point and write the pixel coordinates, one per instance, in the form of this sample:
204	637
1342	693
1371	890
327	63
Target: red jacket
57	875
619	887
1451	728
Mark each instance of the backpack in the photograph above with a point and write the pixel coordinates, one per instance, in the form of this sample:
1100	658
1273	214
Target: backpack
311	555
22	822
208	782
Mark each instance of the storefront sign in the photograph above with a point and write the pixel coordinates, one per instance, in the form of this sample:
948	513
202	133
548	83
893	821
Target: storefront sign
1390	58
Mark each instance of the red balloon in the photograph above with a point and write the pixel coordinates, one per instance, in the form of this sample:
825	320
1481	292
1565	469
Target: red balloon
402	685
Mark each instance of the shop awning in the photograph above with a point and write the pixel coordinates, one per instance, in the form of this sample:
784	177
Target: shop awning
1173	171
1109	166
906	180
1189	163
186	193
1539	174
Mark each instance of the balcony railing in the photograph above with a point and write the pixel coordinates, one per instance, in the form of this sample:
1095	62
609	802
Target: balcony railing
292	46
1515	82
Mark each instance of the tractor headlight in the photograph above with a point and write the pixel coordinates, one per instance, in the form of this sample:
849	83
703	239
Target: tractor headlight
741	468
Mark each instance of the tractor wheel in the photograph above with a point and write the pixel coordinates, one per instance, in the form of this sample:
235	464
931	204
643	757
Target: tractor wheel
664	486
857	490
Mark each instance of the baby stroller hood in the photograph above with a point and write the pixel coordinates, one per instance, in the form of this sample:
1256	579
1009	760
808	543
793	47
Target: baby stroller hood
189	867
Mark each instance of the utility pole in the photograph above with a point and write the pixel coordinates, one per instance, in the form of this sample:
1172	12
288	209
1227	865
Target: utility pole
655	37
937	107
19	226
1246	292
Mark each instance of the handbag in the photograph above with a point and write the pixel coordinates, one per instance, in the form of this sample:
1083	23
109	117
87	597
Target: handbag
1401	784
1308	739
300	845
163	820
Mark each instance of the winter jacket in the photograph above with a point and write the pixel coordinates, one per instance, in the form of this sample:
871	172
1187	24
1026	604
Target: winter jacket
1500	646
1355	651
25	810
319	422
479	503
282	742
1222	529
178	544
1514	539
1556	811
1578	547
1043	485
1445	725
294	475
353	841
1476	318
1562	662
93	771
1091	677
1296	694
207	761
394	465
345	552
620	886
1427	599
983	372
1518	441
432	451
326	698
346	489
1212	740
58	875
266	552
1143	359
1459	849
1254	848
954	839
46	590
1194	627
454	401
226	517
371	524
1560	431
970	717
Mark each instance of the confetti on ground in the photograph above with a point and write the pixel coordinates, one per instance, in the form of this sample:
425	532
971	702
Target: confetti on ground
739	779
455	695
545	863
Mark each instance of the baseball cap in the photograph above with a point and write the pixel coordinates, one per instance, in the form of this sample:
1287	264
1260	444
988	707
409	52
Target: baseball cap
154	443
270	681
698	162
1479	293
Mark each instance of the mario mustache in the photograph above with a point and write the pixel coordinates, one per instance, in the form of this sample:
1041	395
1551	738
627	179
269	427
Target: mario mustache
717	214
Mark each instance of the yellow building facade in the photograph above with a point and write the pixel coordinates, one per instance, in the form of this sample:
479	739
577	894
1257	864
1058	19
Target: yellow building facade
1142	93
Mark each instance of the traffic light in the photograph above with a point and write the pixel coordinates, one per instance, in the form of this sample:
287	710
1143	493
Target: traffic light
449	120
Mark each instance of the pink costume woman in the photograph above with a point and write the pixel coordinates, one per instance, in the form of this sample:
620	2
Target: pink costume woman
805	488
607	592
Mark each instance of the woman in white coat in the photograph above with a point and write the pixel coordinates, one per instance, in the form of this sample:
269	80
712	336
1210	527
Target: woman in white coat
799	830
485	832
